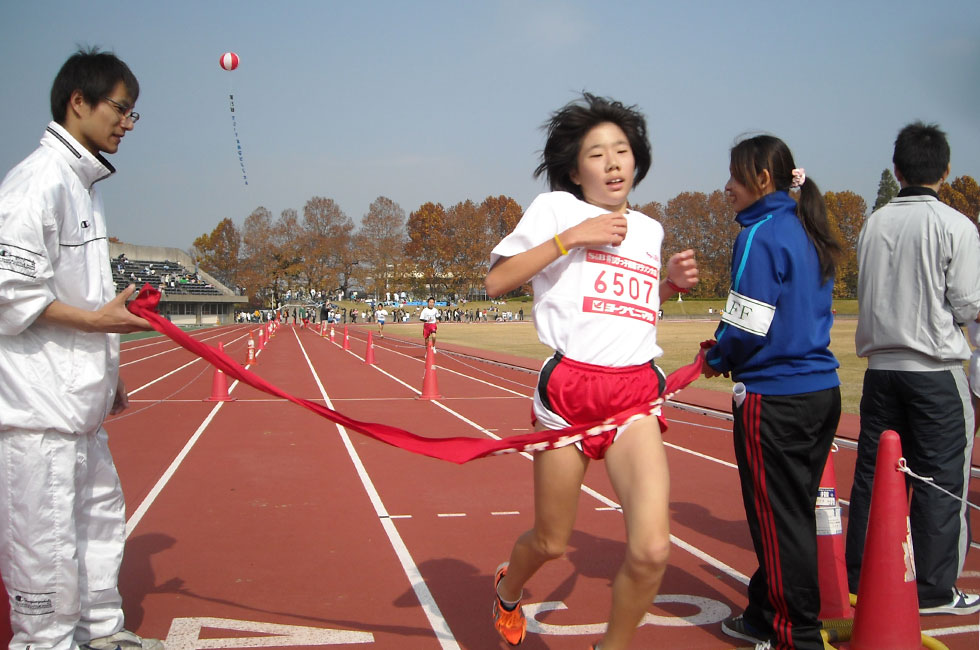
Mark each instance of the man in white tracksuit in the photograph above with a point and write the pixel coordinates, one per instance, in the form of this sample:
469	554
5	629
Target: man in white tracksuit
61	506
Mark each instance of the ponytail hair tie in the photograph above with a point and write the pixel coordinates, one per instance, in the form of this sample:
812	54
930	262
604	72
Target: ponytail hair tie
799	177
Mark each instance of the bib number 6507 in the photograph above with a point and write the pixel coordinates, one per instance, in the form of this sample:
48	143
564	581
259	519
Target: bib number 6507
623	285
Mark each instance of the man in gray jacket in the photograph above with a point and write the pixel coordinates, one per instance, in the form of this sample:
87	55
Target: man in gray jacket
918	282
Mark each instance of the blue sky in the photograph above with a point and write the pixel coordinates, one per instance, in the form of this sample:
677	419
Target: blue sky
443	101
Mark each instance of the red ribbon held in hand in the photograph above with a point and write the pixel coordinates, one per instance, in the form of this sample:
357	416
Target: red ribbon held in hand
455	449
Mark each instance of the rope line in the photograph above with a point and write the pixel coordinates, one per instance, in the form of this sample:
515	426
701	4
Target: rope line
903	467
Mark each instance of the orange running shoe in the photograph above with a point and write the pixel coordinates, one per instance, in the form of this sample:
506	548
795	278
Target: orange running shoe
511	625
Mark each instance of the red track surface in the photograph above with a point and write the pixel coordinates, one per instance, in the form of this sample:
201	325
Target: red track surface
253	514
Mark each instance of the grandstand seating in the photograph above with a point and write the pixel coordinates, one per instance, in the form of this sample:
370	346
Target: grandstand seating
181	280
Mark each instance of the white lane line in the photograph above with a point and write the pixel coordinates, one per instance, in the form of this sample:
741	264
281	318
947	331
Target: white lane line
161	483
508	390
505	513
947	631
451	514
700	455
693	550
174	349
168	474
432	612
162	377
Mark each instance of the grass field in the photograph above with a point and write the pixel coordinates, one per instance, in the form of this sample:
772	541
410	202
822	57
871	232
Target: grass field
685	325
677	335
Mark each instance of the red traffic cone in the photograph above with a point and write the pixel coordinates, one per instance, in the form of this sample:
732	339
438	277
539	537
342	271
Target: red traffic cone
430	355
250	358
323	329
331	333
369	353
834	595
346	339
887	613
430	387
219	383
261	345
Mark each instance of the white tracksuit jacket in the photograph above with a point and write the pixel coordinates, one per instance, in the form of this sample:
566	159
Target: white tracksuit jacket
61	505
53	244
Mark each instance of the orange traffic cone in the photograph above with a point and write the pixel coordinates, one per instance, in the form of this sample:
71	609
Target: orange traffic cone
331	333
887	613
369	353
430	387
250	358
261	345
346	339
834	595
219	383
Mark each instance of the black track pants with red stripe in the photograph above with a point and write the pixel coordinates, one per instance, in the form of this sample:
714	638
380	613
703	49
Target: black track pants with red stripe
781	444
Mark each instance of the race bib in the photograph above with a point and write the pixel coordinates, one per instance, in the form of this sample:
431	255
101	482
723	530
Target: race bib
747	314
619	286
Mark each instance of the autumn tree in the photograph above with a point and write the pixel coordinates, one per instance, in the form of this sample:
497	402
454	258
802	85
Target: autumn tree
466	242
380	243
347	264
218	252
271	260
705	223
963	194
887	188
425	243
290	245
654	209
846	212
255	258
325	234
502	215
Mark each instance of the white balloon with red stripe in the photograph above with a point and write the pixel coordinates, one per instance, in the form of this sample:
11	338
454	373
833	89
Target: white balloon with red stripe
229	60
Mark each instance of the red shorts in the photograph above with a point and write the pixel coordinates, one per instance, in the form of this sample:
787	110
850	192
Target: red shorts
581	393
428	328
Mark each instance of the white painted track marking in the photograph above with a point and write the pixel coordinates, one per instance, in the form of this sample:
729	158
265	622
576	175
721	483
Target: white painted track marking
690	548
432	612
185	634
147	502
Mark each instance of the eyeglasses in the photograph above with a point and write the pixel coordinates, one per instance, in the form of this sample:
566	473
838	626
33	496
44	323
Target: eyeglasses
126	112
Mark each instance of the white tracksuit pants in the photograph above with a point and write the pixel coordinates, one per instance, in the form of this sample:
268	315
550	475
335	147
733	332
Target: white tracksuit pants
64	527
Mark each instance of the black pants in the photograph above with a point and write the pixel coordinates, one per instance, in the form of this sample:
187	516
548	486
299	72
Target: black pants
933	416
782	443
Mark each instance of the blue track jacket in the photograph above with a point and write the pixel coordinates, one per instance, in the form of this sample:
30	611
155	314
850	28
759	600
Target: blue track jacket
775	331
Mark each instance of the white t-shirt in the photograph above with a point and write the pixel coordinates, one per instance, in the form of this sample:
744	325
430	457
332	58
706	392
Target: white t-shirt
597	304
429	315
381	315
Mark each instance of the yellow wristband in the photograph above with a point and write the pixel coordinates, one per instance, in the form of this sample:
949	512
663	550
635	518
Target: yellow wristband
560	247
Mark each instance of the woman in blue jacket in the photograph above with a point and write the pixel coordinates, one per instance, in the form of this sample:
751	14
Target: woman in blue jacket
774	339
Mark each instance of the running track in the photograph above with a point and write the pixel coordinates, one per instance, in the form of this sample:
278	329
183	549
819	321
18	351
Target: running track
256	523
